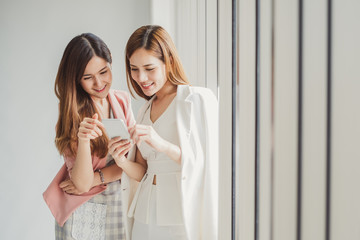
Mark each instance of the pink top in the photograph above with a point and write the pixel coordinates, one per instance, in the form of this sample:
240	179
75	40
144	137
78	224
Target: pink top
61	204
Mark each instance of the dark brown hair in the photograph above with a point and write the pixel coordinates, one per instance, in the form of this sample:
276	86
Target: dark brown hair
156	40
74	102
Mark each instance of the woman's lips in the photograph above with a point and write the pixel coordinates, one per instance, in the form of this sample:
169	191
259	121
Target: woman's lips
147	86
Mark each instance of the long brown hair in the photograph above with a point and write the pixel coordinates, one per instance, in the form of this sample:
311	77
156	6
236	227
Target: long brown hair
74	102
155	39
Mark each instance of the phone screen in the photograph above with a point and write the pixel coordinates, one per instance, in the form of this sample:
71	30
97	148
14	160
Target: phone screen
116	128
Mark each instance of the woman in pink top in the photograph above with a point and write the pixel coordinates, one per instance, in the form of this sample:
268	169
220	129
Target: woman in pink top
85	196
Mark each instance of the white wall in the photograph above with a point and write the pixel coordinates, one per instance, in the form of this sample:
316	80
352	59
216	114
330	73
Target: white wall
33	37
163	13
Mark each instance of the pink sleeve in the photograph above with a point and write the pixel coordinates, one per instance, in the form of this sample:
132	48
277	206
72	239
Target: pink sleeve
130	119
69	162
125	101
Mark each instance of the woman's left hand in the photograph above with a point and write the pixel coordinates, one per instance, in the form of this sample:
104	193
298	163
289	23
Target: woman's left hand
140	133
69	187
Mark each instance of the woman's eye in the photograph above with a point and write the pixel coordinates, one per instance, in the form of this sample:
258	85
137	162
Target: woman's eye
133	69
87	78
150	69
102	73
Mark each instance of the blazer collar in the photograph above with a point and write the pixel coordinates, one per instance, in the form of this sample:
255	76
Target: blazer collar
183	91
183	110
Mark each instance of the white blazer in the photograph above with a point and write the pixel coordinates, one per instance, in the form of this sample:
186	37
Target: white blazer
197	126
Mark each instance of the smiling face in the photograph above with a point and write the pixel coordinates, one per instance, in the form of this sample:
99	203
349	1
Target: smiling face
148	71
97	78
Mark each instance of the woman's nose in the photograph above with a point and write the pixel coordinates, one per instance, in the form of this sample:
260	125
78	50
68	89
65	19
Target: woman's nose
142	76
97	79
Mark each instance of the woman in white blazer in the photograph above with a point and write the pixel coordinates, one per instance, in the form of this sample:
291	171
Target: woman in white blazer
176	136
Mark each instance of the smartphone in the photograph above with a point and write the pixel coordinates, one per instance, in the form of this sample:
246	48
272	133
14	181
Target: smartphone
116	128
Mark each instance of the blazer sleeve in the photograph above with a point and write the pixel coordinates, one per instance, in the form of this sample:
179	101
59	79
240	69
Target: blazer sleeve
200	167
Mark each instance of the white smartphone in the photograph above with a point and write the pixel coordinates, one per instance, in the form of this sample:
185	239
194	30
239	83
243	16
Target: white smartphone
116	128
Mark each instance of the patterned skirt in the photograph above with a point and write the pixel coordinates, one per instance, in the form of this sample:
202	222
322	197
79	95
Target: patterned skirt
99	218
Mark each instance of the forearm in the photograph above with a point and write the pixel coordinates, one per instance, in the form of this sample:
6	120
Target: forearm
111	173
133	169
174	152
82	173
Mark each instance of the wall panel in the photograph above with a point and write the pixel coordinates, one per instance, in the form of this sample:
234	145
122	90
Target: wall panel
245	119
265	119
345	141
314	119
285	119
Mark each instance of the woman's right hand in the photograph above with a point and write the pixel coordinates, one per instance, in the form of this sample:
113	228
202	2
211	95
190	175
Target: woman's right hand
69	187
90	128
118	148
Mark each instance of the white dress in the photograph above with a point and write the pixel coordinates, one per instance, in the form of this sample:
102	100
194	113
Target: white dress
157	208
